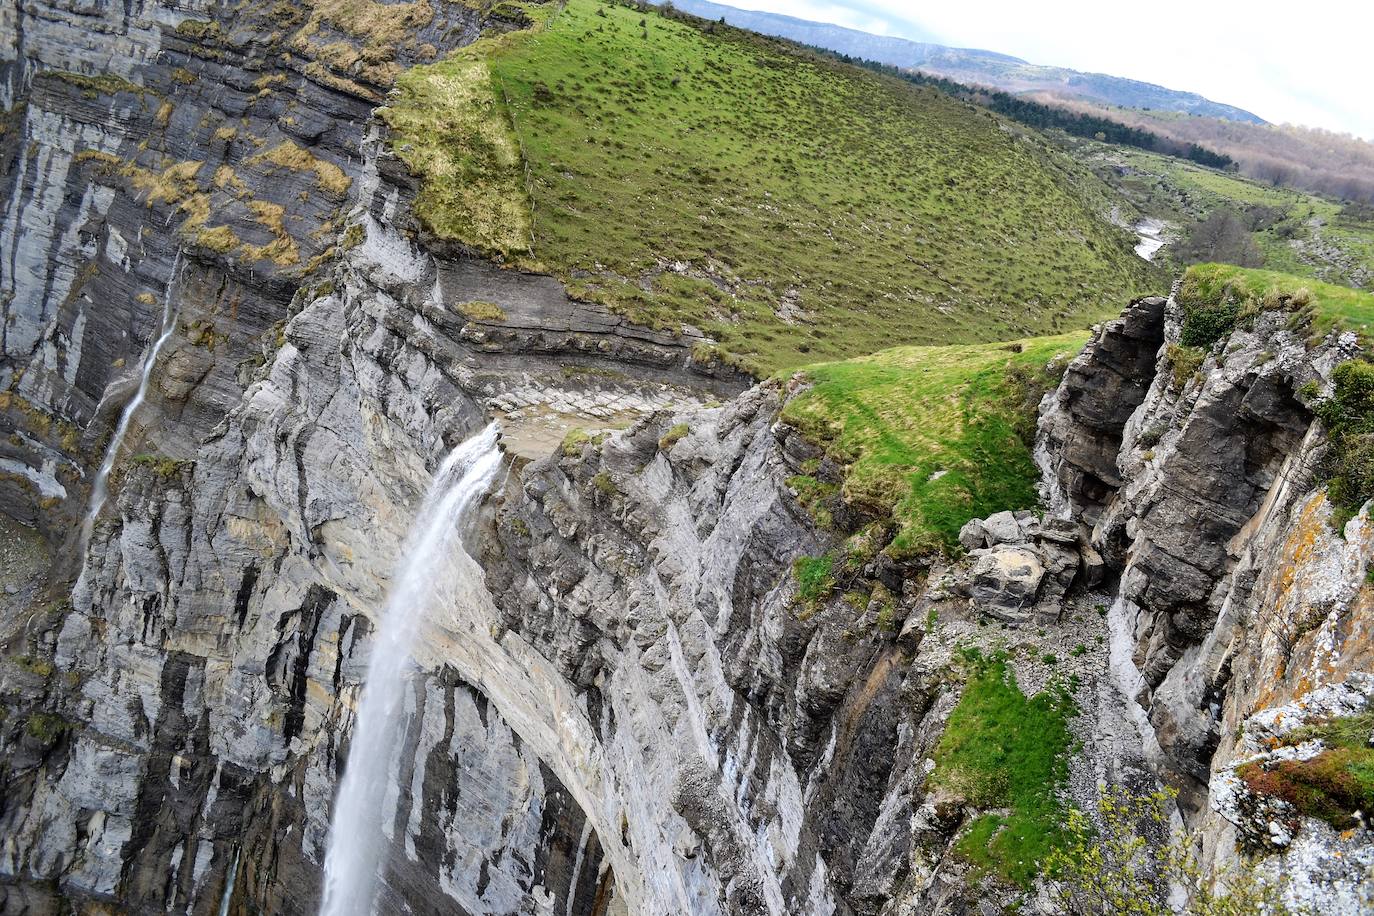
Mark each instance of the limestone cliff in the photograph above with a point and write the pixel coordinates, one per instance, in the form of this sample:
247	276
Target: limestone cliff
637	714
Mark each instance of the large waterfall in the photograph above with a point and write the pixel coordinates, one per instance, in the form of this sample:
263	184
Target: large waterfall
99	489
356	842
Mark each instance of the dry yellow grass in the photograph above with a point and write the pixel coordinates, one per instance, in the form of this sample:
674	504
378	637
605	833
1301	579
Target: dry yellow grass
328	176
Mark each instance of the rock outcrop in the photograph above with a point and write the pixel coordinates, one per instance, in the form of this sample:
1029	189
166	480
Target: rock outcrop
629	708
1237	597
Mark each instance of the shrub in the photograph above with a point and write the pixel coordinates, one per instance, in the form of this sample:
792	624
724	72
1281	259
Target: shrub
1205	325
1127	862
1349	418
1185	361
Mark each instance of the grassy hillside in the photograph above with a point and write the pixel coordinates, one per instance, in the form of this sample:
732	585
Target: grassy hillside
930	436
796	209
1296	232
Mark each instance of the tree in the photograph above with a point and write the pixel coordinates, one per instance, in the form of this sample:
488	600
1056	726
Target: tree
1221	237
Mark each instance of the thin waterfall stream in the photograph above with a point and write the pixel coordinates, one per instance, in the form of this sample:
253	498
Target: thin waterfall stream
100	487
356	843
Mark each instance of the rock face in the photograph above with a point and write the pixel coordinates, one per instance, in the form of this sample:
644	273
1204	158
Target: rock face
628	708
1237	597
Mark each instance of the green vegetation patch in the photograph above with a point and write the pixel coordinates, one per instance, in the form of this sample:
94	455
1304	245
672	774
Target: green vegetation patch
1184	361
452	127
1349	418
933	436
794	207
1215	297
45	727
674	435
1002	749
815	579
481	310
98	84
1335	783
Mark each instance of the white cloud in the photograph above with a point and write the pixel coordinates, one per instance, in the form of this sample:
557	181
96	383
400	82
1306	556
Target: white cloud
1303	62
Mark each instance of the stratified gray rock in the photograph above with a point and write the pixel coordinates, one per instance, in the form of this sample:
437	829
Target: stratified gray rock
1002	528
973	535
1235	595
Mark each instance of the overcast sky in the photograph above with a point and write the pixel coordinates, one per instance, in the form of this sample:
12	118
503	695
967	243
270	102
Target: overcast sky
1300	61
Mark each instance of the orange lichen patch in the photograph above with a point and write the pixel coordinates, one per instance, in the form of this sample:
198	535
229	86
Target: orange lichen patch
1301	544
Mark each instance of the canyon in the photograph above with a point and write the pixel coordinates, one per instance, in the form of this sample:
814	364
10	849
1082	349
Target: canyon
621	701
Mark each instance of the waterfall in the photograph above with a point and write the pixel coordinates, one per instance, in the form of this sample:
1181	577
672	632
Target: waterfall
99	490
228	897
356	842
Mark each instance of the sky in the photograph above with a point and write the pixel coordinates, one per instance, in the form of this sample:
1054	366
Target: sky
1305	62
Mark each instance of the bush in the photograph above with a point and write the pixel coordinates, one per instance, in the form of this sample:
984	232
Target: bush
1128	861
1185	361
1349	418
1205	325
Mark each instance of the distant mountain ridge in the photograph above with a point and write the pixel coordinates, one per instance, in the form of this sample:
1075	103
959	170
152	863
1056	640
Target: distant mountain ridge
971	65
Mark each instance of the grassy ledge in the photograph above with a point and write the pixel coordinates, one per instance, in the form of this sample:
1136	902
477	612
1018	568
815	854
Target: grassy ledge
1002	749
1215	296
451	125
795	208
931	437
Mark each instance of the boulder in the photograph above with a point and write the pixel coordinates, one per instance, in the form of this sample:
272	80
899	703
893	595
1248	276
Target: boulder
973	536
1002	528
1004	581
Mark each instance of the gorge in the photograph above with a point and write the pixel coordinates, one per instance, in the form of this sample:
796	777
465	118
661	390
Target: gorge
708	630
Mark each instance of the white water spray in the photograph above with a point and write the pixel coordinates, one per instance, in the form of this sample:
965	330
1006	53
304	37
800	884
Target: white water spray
99	489
356	841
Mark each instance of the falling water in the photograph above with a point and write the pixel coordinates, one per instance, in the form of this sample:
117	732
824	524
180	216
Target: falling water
99	488
356	841
228	898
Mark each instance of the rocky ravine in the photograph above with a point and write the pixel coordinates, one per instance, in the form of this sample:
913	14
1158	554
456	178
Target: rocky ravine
640	720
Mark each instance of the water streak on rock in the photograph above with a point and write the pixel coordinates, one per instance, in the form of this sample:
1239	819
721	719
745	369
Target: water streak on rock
100	489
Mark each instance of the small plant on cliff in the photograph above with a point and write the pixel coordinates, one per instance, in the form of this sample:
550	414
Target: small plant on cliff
1349	418
482	311
673	436
45	727
1185	361
1125	860
815	579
